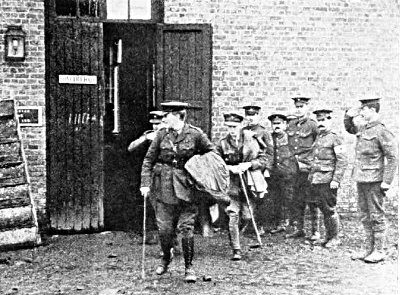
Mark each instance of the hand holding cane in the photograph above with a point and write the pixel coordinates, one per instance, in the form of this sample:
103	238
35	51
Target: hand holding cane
251	211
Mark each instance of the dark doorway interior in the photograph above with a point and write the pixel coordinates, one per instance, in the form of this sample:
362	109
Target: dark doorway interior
129	58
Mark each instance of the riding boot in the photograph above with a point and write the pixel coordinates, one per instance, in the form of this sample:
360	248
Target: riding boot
378	254
166	241
188	252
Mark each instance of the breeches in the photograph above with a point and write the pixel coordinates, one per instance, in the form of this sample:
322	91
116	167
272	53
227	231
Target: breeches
179	216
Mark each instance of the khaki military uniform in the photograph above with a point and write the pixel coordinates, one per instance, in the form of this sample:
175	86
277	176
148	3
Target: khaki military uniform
265	141
282	179
374	144
232	154
164	166
328	162
302	135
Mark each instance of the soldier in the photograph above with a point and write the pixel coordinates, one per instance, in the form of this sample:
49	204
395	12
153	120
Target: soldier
143	143
252	116
148	136
231	150
302	133
374	169
328	162
283	174
175	204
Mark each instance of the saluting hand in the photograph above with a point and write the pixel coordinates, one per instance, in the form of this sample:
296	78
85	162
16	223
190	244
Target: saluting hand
385	186
151	136
145	191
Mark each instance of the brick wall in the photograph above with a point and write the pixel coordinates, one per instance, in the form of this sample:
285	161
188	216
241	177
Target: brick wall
24	81
265	52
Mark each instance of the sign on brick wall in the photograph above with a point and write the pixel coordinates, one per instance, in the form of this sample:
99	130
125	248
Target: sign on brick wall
29	116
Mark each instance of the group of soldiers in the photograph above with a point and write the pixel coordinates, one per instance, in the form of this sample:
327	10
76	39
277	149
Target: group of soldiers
302	160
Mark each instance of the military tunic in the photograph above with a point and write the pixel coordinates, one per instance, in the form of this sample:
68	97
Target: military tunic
328	163
232	153
164	162
282	179
374	144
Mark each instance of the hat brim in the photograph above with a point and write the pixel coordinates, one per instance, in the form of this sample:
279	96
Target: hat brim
231	124
154	121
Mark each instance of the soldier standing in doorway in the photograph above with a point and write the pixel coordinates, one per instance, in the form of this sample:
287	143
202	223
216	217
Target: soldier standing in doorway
175	205
328	162
374	170
263	137
302	133
283	175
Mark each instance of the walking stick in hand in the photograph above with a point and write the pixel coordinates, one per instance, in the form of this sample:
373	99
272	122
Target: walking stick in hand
251	212
144	237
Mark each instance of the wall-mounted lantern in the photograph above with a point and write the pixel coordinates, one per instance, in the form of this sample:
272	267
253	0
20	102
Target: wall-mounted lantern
15	43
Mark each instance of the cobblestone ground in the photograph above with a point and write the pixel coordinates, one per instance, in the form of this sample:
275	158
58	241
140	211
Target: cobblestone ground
110	263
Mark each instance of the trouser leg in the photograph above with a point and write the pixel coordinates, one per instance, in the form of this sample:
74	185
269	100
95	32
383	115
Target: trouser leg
375	201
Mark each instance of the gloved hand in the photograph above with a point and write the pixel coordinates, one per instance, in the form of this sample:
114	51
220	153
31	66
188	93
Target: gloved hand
145	191
233	168
244	166
334	184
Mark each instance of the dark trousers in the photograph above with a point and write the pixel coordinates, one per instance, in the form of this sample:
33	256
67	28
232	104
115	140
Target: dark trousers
282	188
370	202
326	198
302	196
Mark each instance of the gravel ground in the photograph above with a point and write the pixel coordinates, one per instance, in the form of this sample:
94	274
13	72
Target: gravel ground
110	263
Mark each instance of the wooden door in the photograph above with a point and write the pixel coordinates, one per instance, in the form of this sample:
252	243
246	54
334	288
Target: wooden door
184	54
74	112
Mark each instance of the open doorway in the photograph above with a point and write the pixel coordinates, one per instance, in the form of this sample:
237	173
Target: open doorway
129	63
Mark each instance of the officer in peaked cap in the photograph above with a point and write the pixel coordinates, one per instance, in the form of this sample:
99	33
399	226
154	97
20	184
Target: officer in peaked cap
302	133
204	206
231	150
283	174
374	169
164	165
328	162
263	137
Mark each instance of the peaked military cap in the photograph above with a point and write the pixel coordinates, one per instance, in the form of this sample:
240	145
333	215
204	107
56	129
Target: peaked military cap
156	117
251	110
301	99
232	119
277	116
323	112
174	106
291	116
368	101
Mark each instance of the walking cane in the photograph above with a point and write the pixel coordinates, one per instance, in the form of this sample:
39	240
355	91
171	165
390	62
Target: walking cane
251	212
144	237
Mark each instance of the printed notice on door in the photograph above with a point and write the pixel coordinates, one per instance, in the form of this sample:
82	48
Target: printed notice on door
77	79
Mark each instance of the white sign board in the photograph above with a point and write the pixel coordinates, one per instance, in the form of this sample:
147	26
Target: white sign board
77	79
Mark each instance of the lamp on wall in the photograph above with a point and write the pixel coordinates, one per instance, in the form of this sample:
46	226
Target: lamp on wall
15	43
